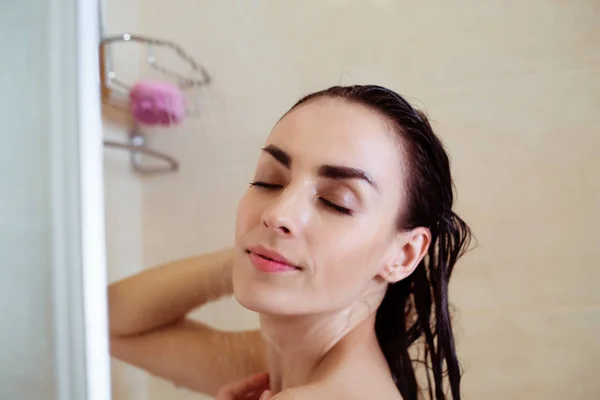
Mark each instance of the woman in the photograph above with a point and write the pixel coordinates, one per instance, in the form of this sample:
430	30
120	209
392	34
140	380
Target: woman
345	243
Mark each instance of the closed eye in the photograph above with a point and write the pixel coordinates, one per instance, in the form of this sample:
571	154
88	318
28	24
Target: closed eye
335	207
265	185
329	204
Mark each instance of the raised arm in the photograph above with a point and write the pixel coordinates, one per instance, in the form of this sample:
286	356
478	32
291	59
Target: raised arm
149	328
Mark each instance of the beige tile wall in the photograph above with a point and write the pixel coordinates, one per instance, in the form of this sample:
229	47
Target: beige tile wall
123	191
513	88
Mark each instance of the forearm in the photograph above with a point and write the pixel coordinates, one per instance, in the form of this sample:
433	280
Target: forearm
165	294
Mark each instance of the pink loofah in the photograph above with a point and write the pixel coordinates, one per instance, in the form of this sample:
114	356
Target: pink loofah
157	103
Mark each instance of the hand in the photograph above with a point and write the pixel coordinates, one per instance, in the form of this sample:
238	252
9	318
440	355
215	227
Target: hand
255	387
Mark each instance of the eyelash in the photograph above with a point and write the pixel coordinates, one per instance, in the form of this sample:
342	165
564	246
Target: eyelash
332	206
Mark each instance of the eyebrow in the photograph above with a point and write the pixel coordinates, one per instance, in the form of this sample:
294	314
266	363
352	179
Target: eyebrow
337	172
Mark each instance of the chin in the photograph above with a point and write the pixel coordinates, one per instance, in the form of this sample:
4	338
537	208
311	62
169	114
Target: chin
270	298
262	297
258	292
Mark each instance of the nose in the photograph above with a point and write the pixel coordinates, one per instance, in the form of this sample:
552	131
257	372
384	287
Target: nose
287	213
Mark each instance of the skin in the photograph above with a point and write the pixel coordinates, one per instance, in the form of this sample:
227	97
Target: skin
340	231
255	387
317	338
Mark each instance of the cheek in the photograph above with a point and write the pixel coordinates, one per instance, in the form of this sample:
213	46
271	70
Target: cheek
340	283
356	256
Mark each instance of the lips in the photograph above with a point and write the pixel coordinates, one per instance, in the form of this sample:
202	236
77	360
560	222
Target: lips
271	255
270	260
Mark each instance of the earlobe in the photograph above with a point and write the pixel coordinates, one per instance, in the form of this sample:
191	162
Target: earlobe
393	273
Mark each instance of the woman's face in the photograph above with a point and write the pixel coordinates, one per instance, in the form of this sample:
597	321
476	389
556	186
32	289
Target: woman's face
328	187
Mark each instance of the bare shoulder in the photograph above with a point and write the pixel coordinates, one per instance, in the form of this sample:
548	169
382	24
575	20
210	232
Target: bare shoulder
300	393
322	392
346	387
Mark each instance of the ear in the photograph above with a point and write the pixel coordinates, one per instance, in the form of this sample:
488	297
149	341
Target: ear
410	247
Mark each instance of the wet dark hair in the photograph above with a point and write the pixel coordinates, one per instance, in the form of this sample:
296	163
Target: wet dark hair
415	310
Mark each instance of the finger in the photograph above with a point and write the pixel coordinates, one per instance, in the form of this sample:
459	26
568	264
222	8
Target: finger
250	384
267	394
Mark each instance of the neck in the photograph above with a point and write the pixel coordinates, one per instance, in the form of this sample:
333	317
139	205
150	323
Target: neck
300	347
